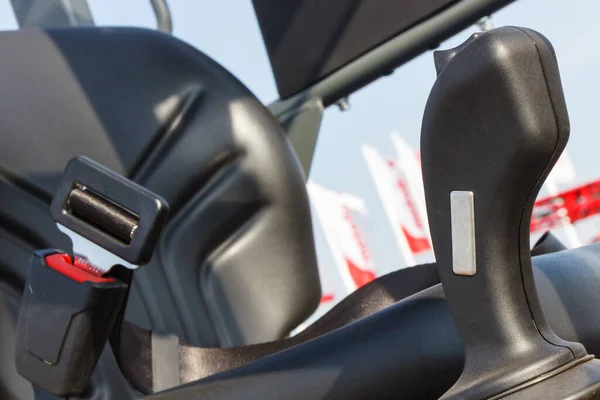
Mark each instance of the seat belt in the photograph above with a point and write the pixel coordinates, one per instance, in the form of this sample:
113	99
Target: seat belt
153	362
141	351
74	303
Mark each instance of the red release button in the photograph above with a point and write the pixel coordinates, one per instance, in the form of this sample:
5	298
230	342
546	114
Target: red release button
78	271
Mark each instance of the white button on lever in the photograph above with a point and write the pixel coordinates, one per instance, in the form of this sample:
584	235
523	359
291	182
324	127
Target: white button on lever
462	219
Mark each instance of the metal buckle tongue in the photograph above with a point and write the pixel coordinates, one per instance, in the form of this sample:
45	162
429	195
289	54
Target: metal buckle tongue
99	258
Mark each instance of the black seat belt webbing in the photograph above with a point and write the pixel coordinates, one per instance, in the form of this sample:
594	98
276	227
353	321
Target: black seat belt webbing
153	361
148	369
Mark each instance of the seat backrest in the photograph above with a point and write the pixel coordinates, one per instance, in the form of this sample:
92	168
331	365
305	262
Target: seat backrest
236	263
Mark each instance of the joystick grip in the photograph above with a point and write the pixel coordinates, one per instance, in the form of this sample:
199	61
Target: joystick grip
494	125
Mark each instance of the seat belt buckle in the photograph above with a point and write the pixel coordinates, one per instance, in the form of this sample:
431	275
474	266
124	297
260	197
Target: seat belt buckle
66	316
72	302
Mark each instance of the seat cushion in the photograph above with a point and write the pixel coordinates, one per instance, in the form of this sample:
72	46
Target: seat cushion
409	350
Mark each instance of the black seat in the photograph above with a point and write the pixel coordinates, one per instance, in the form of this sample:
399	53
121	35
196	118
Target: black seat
236	263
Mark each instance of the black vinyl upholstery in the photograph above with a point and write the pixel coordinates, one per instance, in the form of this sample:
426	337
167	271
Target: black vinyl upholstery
236	263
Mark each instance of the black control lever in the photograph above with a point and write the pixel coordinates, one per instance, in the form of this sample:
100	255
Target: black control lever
494	125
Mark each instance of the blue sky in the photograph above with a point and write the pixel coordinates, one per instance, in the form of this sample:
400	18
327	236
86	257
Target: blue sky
227	31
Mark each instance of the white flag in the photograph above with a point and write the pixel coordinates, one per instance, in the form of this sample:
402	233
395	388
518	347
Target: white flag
408	164
339	214
400	193
563	171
